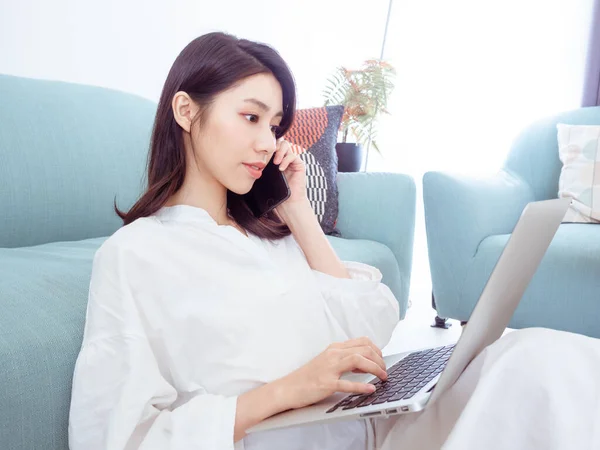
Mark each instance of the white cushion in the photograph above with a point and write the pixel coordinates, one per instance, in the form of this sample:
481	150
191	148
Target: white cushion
579	151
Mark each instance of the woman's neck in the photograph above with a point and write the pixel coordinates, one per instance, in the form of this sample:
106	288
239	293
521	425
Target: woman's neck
212	197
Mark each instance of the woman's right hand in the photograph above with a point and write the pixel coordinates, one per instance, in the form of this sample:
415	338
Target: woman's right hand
320	377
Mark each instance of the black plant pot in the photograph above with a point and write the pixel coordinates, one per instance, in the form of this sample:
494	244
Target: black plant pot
350	156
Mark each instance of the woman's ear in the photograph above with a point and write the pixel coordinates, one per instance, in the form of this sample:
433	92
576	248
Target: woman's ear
184	110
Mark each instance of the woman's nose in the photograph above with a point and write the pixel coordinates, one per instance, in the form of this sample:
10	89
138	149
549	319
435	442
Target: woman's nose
266	143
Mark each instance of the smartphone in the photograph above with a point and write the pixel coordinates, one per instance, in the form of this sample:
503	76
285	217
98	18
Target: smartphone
269	191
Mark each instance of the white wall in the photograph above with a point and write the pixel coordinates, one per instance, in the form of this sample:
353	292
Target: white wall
131	44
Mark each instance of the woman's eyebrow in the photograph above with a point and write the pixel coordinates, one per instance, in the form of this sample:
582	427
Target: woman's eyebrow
262	106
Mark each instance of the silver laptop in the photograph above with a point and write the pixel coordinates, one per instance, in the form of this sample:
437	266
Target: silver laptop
420	377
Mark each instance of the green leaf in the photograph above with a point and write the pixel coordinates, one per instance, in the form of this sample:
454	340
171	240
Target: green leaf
364	93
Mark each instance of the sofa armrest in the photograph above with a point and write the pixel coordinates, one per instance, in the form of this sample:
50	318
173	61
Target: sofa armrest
459	213
380	207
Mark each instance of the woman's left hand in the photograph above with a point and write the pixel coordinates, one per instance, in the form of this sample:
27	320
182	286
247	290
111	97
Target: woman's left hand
294	170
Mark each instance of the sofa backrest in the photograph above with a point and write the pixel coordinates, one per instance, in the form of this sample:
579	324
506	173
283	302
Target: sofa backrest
534	155
66	151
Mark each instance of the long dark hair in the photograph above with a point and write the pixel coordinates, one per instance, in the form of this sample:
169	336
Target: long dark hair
206	67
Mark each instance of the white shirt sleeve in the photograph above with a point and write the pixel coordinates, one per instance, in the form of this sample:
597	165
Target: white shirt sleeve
120	399
362	304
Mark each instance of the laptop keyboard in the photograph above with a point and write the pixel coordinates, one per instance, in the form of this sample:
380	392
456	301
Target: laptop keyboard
405	378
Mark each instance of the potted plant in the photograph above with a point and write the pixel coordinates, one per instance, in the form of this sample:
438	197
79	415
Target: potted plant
364	93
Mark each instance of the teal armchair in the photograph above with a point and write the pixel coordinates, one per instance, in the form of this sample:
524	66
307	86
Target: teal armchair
66	151
469	221
377	221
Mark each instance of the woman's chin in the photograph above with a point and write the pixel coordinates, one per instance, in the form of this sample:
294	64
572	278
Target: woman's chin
241	189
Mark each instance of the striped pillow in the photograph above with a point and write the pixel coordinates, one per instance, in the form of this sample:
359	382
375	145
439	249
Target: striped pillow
313	136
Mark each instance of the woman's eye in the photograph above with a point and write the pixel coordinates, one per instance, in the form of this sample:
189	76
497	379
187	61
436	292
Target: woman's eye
253	118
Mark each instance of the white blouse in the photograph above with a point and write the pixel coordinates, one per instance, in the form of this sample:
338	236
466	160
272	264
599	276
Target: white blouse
184	315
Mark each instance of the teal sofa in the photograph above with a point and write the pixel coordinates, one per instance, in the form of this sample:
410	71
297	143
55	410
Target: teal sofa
469	221
66	151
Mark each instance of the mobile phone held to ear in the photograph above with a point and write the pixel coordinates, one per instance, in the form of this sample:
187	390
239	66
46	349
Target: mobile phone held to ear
269	191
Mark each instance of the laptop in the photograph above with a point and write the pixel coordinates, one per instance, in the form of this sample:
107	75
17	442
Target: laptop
419	378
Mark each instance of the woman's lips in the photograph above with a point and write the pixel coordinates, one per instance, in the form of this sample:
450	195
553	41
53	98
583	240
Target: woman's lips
254	173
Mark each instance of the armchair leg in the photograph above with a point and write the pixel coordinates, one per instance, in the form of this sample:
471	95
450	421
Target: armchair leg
440	322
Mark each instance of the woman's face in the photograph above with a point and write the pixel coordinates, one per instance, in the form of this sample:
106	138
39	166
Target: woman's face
238	131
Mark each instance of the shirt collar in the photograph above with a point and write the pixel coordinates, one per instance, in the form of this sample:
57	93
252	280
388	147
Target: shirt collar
184	213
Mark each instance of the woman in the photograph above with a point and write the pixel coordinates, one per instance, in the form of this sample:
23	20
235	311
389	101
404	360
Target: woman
202	320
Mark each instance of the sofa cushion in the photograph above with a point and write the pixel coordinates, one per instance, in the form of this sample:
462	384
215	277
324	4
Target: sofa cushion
66	152
579	150
43	299
313	136
568	273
